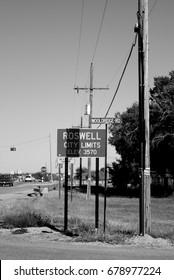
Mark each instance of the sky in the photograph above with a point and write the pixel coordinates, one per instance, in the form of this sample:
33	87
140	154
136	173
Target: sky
40	65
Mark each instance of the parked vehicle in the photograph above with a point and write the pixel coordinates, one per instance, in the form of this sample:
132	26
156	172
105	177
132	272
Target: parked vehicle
6	179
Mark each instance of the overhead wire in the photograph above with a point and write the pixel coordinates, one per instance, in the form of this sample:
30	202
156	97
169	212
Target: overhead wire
78	55
26	142
99	31
118	69
79	42
98	36
153	7
123	72
113	77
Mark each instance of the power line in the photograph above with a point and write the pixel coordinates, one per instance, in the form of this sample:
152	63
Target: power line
115	73
99	30
97	36
153	7
111	80
80	35
133	45
23	143
78	55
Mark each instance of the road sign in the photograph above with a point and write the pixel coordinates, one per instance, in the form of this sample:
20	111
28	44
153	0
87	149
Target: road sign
80	142
102	120
43	169
13	149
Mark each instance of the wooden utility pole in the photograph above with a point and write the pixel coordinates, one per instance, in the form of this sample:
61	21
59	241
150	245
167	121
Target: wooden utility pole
145	209
50	158
147	178
91	89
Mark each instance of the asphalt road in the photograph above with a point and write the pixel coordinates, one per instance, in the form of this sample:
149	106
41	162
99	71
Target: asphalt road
79	251
21	188
17	188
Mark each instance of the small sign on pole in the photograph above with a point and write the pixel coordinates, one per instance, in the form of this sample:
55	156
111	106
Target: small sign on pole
102	120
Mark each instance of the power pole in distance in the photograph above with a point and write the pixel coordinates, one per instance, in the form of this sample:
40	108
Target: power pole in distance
91	89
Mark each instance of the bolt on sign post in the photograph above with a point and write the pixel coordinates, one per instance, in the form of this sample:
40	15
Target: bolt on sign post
78	143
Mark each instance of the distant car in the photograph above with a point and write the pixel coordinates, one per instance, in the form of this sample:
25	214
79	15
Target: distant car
29	178
6	179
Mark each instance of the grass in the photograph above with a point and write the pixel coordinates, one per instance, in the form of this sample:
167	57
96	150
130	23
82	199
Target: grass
122	216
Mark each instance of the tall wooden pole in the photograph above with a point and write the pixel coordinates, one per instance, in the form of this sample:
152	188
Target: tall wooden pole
141	116
90	117
145	211
147	178
50	158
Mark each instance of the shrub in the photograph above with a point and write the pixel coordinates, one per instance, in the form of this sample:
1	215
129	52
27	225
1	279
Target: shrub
19	216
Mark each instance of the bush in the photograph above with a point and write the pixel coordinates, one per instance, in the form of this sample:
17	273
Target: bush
25	217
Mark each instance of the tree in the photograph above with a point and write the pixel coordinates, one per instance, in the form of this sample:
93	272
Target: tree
84	173
125	135
162	124
125	139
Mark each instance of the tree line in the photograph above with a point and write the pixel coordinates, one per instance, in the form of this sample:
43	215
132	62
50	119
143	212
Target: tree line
125	138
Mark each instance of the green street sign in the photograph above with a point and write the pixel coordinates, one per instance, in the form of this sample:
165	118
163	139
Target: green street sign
80	143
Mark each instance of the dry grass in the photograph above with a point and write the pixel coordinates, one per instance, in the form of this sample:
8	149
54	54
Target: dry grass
122	216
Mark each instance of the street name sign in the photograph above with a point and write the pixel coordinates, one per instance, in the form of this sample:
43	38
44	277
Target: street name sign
80	142
102	120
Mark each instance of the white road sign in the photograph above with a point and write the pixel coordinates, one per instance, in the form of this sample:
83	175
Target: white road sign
102	120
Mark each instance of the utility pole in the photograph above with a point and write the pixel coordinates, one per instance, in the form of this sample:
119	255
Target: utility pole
50	158
145	209
147	178
91	89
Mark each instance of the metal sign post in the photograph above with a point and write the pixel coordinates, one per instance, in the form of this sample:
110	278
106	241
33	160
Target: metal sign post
105	190
59	180
97	195
66	196
72	167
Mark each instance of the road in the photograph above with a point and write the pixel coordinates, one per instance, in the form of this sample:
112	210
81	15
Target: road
23	188
17	188
79	251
